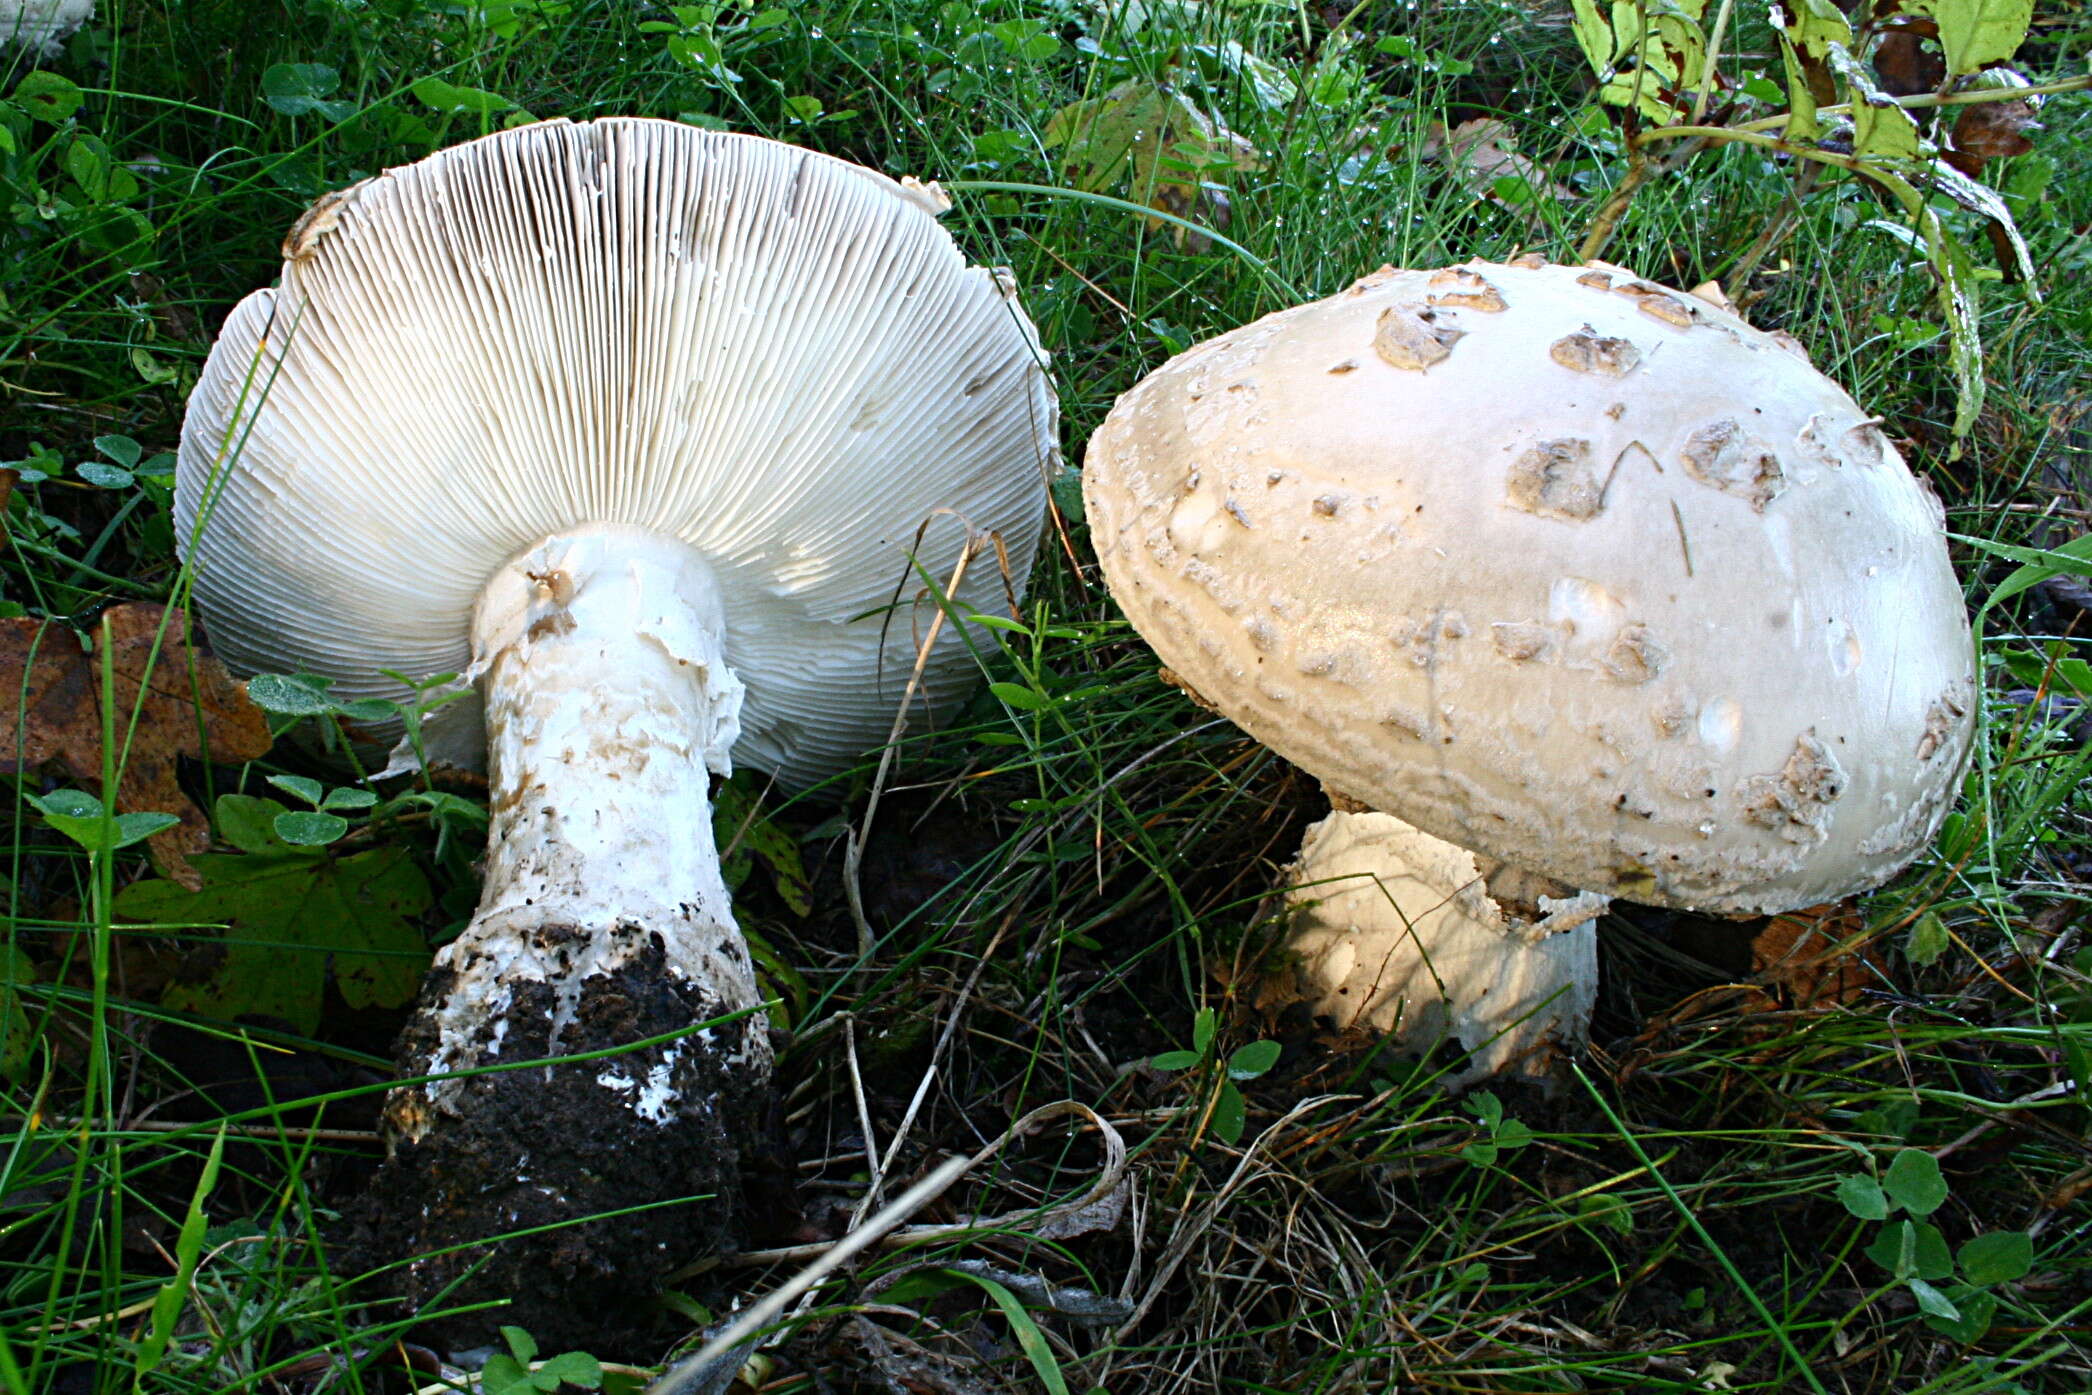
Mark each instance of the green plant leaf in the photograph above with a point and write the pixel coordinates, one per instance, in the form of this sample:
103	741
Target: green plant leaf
1594	35
121	449
1977	1310
1019	696
188	1247
1203	1025
1175	1060
104	476
78	815
1863	1197
47	96
1959	303
520	1343
249	823
449	97
1997	1258
287	916
1926	943
504	1375
1230	1113
305	828
300	787
2073	558
739	823
1253	1060
1909	1248
570	1368
290	695
301	89
1029	1338
1973	33
1608	1211
1913	1182
1932	1302
1151	136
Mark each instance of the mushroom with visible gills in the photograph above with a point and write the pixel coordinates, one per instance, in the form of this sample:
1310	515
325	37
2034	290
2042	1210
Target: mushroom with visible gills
644	430
1611	592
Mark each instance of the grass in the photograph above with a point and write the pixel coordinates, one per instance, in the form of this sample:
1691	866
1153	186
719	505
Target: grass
1059	891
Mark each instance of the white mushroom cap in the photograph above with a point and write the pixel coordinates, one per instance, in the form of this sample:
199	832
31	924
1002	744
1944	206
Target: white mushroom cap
1396	930
1557	565
777	357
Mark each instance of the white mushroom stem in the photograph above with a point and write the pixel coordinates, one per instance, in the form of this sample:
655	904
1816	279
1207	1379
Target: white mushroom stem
1398	931
609	706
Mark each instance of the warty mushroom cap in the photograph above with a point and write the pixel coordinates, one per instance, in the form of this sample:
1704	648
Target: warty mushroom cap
1558	565
775	356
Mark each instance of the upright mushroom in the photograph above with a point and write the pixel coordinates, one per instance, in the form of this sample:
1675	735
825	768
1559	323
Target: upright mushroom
1591	579
662	438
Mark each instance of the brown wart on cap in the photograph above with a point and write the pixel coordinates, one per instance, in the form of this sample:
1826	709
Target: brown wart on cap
1712	653
642	429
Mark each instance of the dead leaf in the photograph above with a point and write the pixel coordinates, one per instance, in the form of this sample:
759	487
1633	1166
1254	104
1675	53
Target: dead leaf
50	699
1905	65
1991	131
1713	294
8	479
1480	153
1818	955
1150	135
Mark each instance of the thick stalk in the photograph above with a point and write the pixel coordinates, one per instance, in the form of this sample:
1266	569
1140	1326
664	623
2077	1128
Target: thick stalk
603	921
1407	934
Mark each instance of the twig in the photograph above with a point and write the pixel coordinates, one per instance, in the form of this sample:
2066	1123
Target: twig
686	1374
1047	1223
864	1122
944	1041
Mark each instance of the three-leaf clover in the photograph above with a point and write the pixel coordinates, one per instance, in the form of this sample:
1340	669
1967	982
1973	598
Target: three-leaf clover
1230	1112
1951	1287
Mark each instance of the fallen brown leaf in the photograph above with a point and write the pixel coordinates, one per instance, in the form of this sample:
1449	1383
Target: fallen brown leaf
50	699
1818	955
1991	131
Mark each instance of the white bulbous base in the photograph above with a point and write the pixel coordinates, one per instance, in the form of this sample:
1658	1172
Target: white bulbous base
1395	930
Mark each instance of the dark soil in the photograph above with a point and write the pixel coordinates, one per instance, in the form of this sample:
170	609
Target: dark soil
541	1147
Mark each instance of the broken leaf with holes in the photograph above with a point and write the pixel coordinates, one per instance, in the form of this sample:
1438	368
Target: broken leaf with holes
290	916
51	696
1649	56
1150	137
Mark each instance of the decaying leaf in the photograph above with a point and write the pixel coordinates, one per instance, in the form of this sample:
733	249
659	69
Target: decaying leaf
290	914
1993	130
51	700
1480	154
1818	955
1150	136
